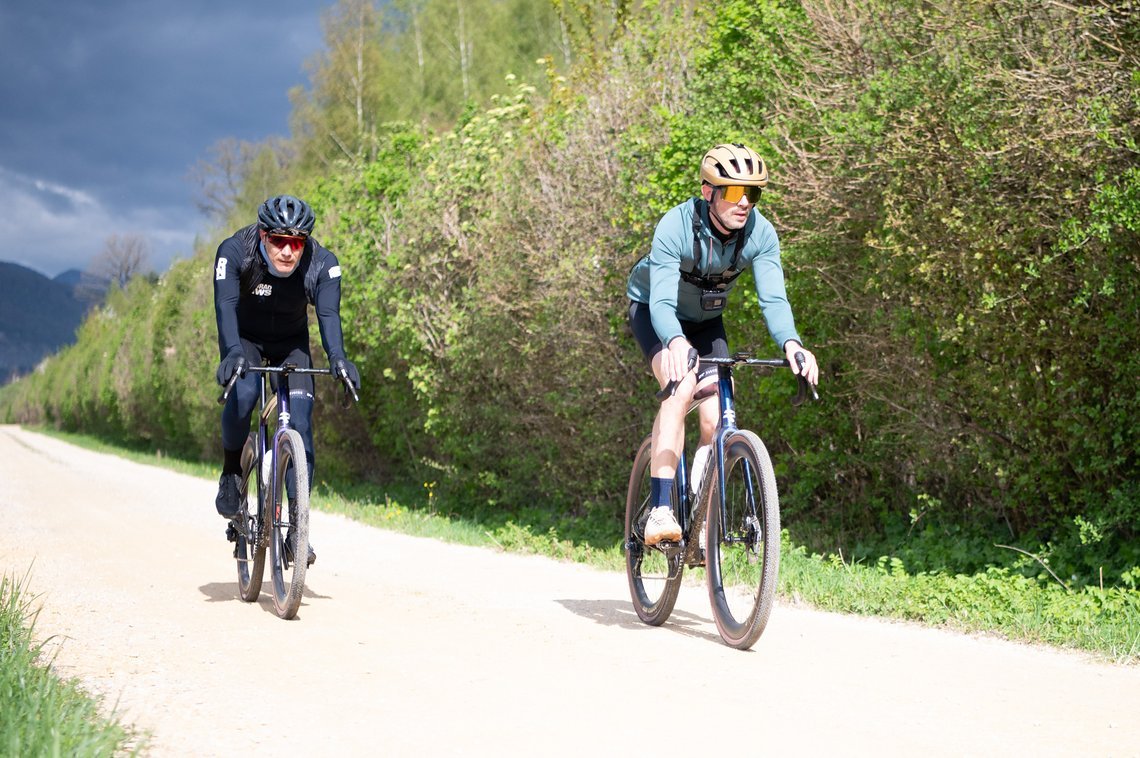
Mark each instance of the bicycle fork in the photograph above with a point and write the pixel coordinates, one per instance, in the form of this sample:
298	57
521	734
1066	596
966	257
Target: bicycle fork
279	434
726	427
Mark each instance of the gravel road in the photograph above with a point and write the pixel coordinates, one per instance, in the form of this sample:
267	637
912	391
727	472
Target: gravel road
411	647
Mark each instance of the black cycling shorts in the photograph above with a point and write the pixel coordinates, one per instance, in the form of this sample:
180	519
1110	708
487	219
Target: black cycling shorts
707	337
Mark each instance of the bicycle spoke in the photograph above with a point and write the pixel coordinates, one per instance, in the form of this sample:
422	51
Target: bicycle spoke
292	474
653	586
249	549
744	543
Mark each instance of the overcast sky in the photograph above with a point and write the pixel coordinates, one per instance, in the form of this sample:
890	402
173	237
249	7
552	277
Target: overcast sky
106	105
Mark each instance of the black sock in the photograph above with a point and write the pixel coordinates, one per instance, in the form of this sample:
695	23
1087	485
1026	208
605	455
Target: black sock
231	463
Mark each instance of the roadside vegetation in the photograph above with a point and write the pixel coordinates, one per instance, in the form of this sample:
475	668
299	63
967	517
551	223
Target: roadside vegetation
957	191
44	714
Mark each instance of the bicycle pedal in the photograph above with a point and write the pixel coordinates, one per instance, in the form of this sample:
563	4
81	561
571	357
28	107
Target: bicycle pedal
672	550
231	532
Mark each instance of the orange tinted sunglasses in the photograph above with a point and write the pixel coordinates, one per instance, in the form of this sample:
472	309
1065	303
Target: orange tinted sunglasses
733	192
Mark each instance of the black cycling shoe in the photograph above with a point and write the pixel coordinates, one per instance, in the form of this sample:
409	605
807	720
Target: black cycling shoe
228	501
289	550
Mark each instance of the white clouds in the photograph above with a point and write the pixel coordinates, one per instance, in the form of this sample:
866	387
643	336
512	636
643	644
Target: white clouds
53	228
77	197
106	106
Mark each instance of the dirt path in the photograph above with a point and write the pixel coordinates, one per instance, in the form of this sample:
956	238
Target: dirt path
406	646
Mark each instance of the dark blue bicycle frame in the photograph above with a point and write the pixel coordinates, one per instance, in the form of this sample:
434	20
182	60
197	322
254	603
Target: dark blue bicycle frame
725	427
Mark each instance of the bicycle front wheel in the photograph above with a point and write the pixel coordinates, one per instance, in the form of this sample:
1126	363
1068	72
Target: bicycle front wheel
291	474
250	554
654	577
744	542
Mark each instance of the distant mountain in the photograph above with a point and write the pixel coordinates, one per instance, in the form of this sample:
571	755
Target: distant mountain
69	278
37	317
86	288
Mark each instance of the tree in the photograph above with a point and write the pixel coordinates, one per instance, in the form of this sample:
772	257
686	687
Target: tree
122	258
421	61
239	175
335	121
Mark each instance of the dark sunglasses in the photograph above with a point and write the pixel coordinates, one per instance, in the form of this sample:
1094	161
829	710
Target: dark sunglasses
286	240
733	192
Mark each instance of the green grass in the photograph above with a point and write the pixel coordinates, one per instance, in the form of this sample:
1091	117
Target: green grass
1102	621
417	513
1006	600
42	714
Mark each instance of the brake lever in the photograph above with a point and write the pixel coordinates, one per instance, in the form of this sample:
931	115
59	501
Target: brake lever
228	388
670	389
805	387
348	389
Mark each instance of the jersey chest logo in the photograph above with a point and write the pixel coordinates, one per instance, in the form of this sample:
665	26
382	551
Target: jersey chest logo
263	290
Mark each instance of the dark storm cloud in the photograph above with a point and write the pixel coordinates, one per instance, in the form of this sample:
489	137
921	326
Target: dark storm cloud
104	108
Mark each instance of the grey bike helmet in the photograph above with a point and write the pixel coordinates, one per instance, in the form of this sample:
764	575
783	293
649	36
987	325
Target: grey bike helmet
286	214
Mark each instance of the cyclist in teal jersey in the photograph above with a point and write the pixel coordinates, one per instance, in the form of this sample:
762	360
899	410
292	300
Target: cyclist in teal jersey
678	293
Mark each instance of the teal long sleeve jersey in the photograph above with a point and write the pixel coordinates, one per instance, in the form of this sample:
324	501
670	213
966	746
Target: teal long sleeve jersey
656	279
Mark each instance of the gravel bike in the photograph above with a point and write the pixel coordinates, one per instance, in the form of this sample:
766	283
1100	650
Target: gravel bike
738	542
274	459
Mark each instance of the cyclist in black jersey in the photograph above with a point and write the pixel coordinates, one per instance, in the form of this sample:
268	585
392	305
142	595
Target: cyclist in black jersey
265	277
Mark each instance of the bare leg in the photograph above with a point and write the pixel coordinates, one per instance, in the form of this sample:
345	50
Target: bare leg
669	426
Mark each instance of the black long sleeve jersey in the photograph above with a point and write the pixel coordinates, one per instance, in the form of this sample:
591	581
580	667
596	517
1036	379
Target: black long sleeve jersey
271	311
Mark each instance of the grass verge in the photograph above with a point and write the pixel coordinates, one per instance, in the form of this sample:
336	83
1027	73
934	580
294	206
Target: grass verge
998	600
42	713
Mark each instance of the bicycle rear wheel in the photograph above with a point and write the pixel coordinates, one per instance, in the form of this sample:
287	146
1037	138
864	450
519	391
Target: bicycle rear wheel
744	542
250	556
654	577
289	576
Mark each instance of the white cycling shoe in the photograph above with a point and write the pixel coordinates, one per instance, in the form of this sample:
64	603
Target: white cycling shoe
662	526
